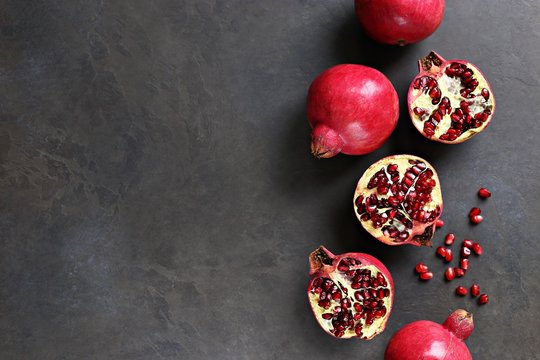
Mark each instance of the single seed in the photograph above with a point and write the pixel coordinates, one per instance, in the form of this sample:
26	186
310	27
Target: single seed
421	268
449	239
464	264
475	290
485	94
477	248
483	299
459	272
465	252
327	316
477	219
475	211
441	251
439	223
461	291
426	276
468	243
448	257
449	274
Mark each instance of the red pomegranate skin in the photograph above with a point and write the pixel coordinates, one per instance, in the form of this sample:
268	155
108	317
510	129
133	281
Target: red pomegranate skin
428	340
352	109
399	22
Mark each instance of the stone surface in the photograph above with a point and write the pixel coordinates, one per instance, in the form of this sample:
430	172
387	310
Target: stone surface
158	199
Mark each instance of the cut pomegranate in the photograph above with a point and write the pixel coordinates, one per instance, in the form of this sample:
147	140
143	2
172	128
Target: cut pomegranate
449	274
352	109
351	295
428	340
459	272
421	268
484	193
461	291
439	223
450	101
477	219
426	276
399	22
449	239
475	290
464	264
483	299
477	248
398	200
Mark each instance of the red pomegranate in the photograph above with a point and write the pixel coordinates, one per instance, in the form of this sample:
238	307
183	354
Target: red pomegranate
428	340
351	295
352	109
399	22
450	101
398	200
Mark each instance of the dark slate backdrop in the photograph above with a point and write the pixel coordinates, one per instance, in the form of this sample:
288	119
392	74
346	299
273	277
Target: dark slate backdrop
158	199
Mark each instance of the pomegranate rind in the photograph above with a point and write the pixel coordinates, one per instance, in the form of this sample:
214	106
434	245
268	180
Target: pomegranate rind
421	233
323	264
416	97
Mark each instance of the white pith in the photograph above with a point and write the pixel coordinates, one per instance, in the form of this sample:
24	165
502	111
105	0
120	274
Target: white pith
403	164
368	331
450	88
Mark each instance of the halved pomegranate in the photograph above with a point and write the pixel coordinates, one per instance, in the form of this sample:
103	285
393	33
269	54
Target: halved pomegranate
398	200
351	295
450	101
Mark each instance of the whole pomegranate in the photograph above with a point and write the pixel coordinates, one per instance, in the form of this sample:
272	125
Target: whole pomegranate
431	341
351	294
352	109
449	101
399	22
398	200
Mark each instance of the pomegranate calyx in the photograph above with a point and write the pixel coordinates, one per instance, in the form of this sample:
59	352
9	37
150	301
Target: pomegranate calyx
460	323
320	258
427	62
325	142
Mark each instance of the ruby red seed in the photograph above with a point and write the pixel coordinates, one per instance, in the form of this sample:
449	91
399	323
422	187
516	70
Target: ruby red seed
449	239
477	219
421	268
468	243
477	249
448	257
459	272
484	193
441	252
475	290
483	299
426	276
449	274
439	223
475	211
461	291
465	252
464	264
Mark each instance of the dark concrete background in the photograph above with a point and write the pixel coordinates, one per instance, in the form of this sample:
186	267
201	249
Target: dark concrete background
158	199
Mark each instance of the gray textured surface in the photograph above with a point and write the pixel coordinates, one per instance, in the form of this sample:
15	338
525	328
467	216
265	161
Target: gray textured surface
158	199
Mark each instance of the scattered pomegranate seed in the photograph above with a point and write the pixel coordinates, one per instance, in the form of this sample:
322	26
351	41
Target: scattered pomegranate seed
441	252
464	264
426	276
475	290
484	193
465	252
449	274
449	239
477	219
421	268
468	243
461	291
474	211
448	257
439	223
477	249
483	299
459	272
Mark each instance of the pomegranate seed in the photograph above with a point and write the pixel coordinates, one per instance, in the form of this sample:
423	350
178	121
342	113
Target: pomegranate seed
475	290
461	291
468	243
485	94
474	211
426	276
464	264
449	239
483	299
484	193
465	252
477	249
441	251
421	268
327	316
448	257
439	223
459	272
449	274
477	219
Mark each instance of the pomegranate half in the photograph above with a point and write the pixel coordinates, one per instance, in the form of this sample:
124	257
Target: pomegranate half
428	340
399	22
352	109
351	295
398	200
450	101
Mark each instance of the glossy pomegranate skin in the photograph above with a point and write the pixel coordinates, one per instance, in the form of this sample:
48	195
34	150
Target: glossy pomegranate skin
399	22
352	109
